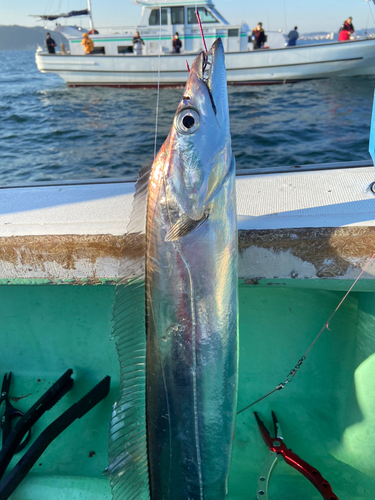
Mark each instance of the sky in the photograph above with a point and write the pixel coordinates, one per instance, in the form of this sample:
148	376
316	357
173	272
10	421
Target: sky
309	16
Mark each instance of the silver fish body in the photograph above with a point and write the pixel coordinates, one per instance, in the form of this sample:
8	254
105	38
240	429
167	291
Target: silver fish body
191	295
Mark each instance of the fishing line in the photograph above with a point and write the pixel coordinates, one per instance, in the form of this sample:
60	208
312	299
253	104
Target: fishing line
201	30
202	34
372	15
47	7
368	17
285	23
294	370
158	90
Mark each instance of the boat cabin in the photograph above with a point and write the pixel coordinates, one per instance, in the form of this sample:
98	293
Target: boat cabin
157	28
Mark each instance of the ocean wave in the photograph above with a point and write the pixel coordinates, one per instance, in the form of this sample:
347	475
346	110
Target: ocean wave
50	131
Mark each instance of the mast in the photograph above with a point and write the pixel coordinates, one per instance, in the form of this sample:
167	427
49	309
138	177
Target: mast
89	9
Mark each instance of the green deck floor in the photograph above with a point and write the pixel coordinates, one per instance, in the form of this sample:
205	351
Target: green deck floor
327	412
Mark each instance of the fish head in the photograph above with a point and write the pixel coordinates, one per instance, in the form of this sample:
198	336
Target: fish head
200	154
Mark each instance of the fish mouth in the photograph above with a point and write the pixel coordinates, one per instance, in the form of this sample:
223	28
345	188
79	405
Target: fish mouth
210	69
206	76
202	159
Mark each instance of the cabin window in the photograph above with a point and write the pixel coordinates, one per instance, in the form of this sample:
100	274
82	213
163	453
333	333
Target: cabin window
233	32
124	49
98	50
177	14
204	14
154	19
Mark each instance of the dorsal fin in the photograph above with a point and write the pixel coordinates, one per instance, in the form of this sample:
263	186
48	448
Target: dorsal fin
127	445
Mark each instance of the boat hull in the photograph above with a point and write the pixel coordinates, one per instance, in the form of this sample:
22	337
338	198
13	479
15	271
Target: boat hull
291	64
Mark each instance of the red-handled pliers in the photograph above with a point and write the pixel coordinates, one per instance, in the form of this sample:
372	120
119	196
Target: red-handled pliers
278	447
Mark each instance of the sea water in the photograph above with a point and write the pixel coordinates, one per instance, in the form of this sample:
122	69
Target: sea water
49	131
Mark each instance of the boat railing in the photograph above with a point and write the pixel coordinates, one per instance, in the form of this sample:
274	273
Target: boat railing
214	29
117	30
193	29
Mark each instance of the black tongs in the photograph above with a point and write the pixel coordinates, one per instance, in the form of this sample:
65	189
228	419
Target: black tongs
45	403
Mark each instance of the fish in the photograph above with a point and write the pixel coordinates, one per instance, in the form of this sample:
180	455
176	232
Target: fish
172	427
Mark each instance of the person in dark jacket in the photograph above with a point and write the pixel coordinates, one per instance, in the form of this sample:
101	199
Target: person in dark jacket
347	26
258	37
346	30
50	44
293	37
137	44
177	44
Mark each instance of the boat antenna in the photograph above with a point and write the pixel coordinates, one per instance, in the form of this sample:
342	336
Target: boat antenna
294	370
158	88
90	16
285	23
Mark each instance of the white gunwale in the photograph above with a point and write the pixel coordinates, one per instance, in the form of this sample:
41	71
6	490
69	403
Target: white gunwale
310	224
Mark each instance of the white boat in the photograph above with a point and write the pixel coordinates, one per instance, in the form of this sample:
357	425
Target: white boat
114	64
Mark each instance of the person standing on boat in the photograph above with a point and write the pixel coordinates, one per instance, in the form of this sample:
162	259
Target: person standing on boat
258	37
293	37
88	44
137	44
50	44
346	30
177	44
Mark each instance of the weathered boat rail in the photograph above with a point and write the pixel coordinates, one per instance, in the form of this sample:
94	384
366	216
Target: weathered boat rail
296	223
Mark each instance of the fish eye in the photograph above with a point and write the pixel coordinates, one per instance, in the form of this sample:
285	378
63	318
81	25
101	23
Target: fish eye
187	121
